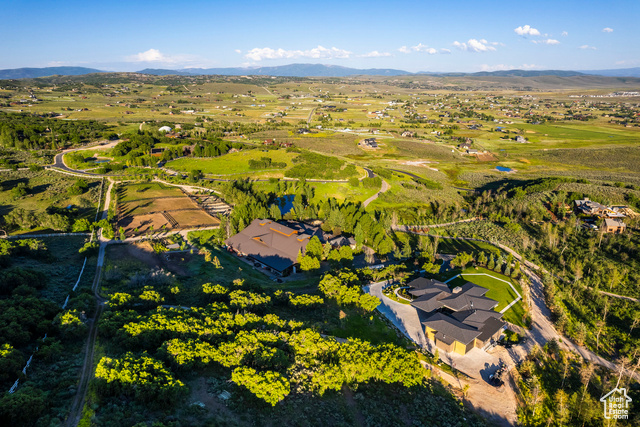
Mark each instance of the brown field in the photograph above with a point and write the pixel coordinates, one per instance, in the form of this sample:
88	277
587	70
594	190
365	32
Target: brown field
146	213
143	223
194	218
486	157
146	206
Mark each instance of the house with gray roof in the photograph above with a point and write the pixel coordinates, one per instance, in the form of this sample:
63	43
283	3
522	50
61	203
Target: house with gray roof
457	319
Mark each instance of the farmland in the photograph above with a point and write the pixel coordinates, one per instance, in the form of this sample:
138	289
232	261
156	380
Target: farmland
234	163
144	208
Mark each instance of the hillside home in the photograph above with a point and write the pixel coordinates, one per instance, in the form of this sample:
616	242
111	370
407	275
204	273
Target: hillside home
457	319
270	245
614	225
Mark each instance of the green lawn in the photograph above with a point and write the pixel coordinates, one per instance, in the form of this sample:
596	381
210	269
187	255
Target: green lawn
498	290
233	163
148	191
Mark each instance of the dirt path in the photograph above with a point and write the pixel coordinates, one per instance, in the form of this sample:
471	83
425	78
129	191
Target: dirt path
498	405
87	367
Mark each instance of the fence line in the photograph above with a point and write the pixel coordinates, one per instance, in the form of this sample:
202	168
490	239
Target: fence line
14	387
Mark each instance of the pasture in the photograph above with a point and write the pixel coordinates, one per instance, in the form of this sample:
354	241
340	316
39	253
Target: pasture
233	163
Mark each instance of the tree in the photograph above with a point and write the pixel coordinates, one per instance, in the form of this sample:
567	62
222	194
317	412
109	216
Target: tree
314	248
492	263
81	225
308	263
274	212
195	175
269	386
482	258
346	254
431	268
326	250
358	236
461	260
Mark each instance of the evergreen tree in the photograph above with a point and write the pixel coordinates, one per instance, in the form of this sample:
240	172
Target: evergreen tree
314	248
482	259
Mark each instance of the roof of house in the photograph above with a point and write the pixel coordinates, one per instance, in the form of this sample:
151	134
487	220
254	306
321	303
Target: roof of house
304	228
270	243
472	312
449	329
614	222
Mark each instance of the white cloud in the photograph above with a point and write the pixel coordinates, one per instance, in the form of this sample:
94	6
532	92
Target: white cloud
375	54
154	55
607	30
504	67
526	30
258	54
586	46
238	51
151	55
474	45
445	51
547	41
418	48
564	34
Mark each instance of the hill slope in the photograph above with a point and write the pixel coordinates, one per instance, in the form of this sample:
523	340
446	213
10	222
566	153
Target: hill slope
30	73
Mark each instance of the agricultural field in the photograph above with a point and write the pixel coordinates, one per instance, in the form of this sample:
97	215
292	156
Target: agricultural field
149	207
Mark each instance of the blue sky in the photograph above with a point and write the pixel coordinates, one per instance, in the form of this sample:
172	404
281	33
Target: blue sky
463	36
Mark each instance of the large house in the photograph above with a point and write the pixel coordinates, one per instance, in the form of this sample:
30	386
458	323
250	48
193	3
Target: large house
271	245
457	319
589	207
275	245
369	143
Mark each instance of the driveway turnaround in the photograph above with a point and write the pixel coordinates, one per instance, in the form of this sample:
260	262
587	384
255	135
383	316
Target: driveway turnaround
403	316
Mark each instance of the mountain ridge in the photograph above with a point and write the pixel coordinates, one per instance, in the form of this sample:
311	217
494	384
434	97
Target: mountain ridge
312	70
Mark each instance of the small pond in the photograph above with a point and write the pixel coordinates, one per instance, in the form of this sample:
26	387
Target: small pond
503	169
286	203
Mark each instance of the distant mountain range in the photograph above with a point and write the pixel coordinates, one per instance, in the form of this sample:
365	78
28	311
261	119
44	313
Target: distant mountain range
311	70
292	70
31	73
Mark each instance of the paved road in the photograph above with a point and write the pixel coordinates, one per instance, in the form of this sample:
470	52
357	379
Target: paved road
385	187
